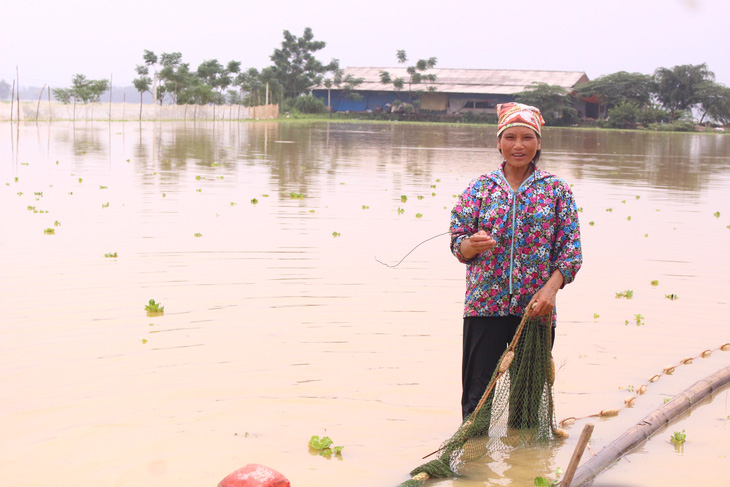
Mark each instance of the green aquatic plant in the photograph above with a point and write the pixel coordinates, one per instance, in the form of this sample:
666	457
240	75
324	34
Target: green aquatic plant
671	297
639	319
49	231
609	210
716	214
655	282
323	446
596	316
198	235
401	211
628	294
57	223
38	193
628	218
591	223
403	198
336	234
296	196
111	255
102	187
153	307
254	201
30	208
420	197
105	205
198	178
365	207
678	438
419	215
81	180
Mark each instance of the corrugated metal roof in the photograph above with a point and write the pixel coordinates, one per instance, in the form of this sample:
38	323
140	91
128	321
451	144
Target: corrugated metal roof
492	81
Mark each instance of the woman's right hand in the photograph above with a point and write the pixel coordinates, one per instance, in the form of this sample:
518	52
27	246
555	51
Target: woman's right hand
476	244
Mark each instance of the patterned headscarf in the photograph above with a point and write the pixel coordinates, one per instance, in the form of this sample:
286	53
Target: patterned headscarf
519	115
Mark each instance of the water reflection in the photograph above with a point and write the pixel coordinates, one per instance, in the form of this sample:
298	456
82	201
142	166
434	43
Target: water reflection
679	161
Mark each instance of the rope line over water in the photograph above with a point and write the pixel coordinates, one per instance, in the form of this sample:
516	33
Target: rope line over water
410	252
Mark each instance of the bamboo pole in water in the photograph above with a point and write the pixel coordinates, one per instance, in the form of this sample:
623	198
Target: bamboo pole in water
49	104
111	83
577	455
38	107
642	431
17	92
12	103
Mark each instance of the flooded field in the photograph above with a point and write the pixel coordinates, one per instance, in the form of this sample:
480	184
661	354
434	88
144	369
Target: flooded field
264	241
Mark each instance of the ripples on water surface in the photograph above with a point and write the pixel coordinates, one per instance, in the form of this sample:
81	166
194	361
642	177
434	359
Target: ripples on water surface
280	324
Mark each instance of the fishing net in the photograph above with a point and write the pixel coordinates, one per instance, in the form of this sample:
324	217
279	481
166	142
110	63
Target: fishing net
516	409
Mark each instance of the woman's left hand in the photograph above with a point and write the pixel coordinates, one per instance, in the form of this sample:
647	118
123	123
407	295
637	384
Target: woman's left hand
543	302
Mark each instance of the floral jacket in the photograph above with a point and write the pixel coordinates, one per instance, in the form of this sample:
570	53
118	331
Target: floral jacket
536	229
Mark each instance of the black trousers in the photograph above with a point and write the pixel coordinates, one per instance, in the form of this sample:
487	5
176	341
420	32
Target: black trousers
485	340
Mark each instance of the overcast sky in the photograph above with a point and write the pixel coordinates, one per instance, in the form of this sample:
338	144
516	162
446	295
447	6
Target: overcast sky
50	41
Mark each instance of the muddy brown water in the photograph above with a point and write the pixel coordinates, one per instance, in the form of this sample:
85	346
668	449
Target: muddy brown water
261	239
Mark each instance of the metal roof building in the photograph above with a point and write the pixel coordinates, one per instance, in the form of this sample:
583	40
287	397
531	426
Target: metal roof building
454	90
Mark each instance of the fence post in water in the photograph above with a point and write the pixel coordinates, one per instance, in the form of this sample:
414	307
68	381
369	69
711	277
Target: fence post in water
50	110
12	103
111	83
38	107
17	92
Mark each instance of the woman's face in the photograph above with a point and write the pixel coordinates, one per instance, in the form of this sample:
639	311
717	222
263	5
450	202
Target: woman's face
518	146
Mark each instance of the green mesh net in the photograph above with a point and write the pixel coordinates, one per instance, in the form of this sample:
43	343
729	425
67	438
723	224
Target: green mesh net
516	409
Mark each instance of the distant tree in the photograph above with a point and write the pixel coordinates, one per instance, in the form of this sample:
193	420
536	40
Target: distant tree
63	95
295	67
714	102
143	83
416	75
616	88
345	84
678	88
554	102
247	82
4	89
83	90
170	76
150	60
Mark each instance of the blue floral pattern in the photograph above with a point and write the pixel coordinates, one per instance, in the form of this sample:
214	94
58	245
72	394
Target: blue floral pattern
536	229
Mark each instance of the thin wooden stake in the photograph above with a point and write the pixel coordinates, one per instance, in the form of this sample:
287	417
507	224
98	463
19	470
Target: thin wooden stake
12	104
49	104
577	454
37	108
17	92
111	82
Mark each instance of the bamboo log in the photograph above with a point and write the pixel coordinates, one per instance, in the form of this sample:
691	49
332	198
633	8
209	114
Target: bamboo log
644	429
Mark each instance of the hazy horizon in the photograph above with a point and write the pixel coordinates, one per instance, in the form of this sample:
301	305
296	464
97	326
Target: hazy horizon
57	41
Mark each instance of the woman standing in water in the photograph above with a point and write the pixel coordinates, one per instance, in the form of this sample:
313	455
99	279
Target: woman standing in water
517	231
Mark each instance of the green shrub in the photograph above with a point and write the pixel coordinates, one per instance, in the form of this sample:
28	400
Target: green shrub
623	116
652	115
308	104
